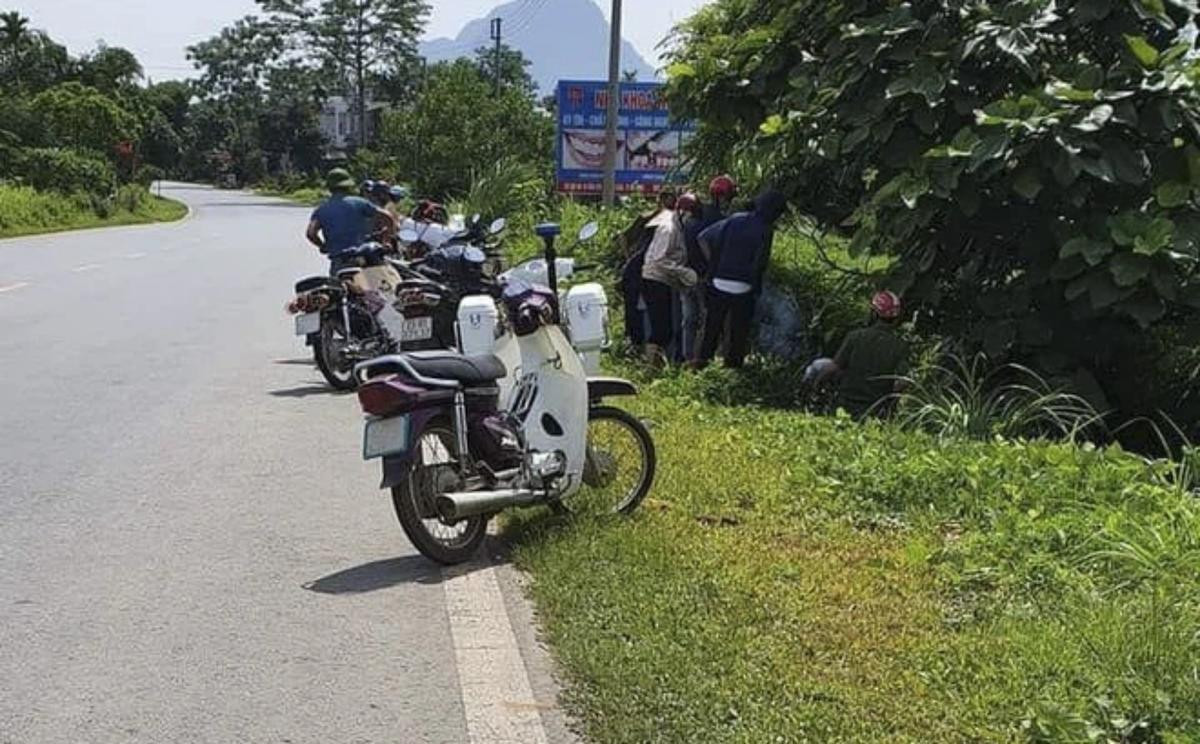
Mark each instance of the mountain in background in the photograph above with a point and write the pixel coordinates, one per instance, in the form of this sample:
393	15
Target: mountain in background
564	39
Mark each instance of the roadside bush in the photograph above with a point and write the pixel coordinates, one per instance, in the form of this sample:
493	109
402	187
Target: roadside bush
146	175
67	172
509	188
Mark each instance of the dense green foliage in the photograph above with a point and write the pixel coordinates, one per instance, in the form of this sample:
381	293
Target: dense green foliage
457	128
78	117
67	172
797	579
1032	164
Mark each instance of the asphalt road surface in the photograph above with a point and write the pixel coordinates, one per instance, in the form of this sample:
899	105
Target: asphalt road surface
191	549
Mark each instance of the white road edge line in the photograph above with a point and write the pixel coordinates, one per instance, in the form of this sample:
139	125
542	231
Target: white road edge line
11	287
497	697
132	256
85	267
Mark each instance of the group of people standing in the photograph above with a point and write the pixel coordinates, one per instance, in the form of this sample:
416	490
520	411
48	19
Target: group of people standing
695	272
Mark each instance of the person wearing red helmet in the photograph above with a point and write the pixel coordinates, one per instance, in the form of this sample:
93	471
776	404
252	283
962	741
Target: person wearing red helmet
722	189
870	358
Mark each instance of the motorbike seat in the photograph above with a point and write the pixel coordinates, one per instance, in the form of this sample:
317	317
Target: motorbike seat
316	282
448	365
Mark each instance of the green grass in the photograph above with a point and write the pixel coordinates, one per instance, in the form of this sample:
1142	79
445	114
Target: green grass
24	211
796	578
308	196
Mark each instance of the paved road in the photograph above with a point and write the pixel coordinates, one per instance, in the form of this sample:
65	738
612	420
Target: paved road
191	549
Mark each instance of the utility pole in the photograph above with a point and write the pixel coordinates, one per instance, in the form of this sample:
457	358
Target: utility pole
614	108
497	36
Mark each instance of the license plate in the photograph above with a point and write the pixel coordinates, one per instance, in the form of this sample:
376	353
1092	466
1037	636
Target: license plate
383	437
308	324
417	329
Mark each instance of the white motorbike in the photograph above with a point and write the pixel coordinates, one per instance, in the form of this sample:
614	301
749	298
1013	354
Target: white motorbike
454	458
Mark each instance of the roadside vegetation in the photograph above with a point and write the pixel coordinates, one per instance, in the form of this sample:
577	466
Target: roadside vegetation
803	578
26	211
80	140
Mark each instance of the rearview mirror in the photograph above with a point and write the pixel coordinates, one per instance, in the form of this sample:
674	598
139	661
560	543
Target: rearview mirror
588	231
498	226
409	235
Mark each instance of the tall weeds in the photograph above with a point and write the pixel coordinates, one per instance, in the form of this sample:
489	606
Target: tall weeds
972	399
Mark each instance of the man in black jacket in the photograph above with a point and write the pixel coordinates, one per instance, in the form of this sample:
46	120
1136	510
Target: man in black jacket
739	250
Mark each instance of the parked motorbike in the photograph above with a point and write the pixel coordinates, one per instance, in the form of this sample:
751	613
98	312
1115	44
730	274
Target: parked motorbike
454	458
374	307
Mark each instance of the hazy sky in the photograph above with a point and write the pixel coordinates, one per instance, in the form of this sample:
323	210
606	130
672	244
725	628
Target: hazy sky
158	30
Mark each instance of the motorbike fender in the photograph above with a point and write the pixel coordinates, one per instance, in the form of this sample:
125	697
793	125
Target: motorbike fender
397	467
609	387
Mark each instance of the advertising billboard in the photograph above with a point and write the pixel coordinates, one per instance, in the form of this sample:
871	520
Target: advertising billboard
649	144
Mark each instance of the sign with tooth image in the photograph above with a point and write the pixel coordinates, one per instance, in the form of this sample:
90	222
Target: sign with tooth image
649	142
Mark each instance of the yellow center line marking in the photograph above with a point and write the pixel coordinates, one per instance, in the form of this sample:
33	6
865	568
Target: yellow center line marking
11	287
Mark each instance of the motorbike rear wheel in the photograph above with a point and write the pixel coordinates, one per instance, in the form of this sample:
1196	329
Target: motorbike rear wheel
435	472
329	353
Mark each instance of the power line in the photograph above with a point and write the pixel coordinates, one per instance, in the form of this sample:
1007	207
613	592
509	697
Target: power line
517	22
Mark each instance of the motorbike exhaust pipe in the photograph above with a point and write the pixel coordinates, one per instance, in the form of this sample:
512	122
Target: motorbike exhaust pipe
454	506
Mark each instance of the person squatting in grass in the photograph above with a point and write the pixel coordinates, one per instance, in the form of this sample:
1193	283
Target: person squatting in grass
738	249
869	361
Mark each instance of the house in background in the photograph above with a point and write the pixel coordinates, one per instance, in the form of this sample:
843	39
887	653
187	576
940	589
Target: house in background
339	125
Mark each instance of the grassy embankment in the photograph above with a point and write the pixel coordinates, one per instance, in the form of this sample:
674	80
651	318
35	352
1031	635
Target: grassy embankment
25	211
796	578
307	196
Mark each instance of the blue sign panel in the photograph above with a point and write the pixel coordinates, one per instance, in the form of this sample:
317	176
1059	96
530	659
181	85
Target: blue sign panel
649	144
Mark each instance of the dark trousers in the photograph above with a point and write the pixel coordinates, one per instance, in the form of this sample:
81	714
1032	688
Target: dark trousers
739	311
660	301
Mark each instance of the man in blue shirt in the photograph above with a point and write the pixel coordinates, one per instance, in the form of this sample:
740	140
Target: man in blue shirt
344	222
739	249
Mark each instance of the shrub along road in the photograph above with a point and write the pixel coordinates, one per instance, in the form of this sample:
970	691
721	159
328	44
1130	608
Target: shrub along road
24	211
190	546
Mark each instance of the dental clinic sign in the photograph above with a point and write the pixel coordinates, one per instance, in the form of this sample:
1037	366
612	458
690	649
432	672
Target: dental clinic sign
649	144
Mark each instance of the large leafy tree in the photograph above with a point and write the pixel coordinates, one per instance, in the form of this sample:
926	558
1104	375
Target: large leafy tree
263	102
458	127
513	65
1034	165
110	70
75	116
354	42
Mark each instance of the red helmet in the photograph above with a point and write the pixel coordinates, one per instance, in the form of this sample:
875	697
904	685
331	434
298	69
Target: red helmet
723	187
689	203
887	305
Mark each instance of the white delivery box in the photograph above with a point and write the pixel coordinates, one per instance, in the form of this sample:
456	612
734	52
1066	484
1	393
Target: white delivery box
478	320
587	321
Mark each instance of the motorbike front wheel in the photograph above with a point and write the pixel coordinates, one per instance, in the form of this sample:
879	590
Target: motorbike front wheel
329	350
433	473
620	466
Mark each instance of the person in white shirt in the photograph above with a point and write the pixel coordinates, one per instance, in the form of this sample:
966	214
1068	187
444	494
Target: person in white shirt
664	273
